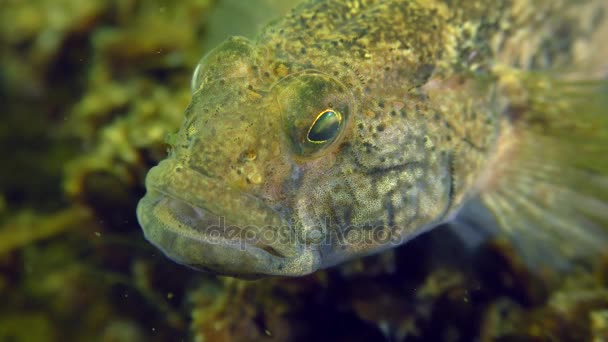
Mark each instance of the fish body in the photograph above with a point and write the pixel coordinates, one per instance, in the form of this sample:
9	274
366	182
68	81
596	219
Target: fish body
351	126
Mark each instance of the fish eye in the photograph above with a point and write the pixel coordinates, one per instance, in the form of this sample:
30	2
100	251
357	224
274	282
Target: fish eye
325	127
316	110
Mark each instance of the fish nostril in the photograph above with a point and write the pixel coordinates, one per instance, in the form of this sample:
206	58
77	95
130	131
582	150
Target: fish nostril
254	178
248	155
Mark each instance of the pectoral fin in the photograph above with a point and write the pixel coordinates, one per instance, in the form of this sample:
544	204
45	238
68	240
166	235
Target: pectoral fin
548	182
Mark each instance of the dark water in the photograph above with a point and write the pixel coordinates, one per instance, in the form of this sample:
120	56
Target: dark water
88	92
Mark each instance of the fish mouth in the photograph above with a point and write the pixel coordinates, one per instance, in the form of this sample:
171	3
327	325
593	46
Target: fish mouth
197	221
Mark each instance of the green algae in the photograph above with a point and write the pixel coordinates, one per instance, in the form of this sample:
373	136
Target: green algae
28	227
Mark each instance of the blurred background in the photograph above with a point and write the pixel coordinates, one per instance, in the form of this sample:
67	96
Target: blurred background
88	92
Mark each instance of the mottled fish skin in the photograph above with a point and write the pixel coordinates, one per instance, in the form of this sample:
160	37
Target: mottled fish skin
415	82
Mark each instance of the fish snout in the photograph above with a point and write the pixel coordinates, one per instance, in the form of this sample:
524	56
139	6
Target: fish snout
197	221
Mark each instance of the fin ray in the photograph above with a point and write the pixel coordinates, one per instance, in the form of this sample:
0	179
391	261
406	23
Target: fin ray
549	190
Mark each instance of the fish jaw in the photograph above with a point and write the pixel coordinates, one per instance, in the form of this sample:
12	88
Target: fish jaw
234	234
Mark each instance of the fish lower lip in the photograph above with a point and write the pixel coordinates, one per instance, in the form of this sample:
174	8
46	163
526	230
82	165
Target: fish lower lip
196	221
213	229
206	228
197	238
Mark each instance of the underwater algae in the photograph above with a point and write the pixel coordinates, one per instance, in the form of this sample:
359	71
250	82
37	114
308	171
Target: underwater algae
90	91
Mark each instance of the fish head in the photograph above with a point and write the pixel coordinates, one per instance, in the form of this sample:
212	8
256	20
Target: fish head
229	197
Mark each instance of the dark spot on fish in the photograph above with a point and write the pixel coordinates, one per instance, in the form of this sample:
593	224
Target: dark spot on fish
399	168
513	113
270	250
597	18
390	209
452	170
424	73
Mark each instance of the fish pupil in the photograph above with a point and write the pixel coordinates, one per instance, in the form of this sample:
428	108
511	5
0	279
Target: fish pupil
325	127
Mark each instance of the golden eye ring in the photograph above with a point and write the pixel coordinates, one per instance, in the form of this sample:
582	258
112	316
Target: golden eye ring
325	127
